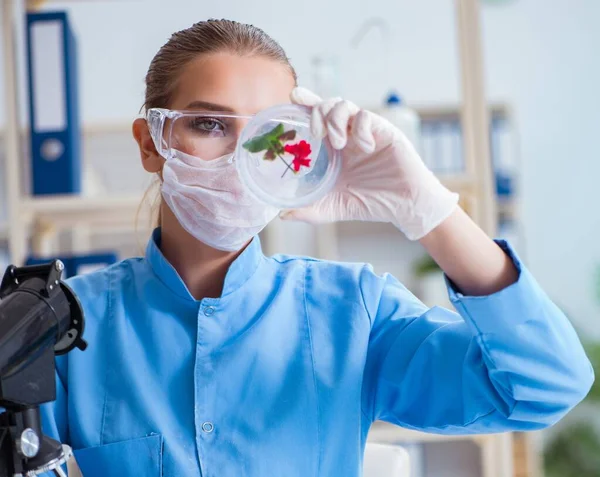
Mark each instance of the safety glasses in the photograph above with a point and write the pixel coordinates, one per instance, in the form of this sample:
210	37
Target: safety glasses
206	135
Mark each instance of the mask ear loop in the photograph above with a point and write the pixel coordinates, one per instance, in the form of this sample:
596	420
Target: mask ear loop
166	148
160	173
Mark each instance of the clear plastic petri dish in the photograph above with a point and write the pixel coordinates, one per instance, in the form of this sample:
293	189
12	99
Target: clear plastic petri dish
281	162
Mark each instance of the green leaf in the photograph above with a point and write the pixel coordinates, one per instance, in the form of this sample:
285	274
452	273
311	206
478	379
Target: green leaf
425	266
257	144
574	449
573	452
592	349
265	141
276	131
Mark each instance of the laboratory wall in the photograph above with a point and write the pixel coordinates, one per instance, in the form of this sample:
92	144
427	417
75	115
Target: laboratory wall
540	57
540	60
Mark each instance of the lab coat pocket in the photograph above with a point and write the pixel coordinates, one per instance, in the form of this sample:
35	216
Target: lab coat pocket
134	457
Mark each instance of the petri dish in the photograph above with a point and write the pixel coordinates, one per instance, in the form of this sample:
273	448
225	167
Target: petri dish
281	162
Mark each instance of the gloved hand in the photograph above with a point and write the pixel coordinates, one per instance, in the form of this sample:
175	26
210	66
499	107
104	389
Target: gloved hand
382	179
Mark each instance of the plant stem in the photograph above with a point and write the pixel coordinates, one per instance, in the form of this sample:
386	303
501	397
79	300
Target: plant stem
289	168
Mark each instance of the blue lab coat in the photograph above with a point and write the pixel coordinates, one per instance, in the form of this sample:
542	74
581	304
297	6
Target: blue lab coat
285	372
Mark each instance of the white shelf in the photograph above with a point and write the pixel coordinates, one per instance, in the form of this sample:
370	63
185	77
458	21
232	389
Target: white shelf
457	182
69	211
437	111
385	433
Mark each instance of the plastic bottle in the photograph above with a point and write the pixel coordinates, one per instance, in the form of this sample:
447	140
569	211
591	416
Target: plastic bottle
326	77
404	118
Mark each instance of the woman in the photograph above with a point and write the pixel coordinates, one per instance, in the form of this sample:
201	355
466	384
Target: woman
212	362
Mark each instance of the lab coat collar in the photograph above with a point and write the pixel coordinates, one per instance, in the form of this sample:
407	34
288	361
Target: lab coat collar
239	272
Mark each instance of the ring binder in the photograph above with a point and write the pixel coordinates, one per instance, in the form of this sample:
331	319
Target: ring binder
53	104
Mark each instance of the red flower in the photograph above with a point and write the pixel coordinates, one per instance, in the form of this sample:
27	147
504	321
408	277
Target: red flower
300	152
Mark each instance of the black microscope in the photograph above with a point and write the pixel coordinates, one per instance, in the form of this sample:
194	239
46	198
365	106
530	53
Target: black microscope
40	317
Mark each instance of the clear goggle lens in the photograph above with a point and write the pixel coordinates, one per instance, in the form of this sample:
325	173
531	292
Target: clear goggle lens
204	135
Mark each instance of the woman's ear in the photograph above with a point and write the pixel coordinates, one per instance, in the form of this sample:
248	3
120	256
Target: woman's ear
152	161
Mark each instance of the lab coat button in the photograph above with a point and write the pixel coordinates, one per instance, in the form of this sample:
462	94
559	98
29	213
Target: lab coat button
209	310
208	427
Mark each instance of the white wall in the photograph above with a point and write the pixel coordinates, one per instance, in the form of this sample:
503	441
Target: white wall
541	57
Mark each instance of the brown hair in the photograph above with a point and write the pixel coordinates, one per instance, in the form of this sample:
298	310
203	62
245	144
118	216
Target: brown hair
205	37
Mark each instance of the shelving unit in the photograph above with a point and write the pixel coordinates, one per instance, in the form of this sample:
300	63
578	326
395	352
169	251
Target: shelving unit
31	216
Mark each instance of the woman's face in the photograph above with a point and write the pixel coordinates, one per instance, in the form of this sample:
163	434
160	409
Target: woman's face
226	82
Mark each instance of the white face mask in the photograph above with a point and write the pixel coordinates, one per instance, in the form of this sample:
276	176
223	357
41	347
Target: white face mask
211	203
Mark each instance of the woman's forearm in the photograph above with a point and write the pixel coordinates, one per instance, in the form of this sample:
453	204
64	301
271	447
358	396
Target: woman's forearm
472	260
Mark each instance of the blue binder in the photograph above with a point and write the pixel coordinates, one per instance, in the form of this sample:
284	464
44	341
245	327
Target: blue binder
53	104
